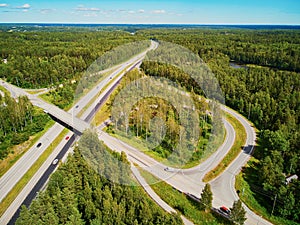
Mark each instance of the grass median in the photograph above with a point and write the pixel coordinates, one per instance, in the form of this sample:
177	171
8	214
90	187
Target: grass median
240	139
29	174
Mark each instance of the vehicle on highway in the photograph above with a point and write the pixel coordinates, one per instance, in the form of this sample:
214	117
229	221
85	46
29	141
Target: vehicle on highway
39	145
67	137
55	161
225	210
169	169
76	106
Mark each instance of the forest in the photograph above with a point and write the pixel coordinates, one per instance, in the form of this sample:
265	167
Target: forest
266	89
45	59
76	194
19	120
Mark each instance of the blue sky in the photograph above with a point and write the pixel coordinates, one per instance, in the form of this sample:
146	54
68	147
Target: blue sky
153	12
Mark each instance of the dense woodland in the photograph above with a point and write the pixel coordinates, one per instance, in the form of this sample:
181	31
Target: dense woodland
266	90
19	120
156	123
43	59
76	194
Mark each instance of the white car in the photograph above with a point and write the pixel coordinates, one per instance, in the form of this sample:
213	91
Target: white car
169	169
55	161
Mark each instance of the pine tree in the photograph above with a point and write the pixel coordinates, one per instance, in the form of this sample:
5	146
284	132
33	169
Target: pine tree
206	198
238	213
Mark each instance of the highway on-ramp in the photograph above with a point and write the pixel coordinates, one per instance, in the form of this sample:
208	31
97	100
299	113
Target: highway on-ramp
190	180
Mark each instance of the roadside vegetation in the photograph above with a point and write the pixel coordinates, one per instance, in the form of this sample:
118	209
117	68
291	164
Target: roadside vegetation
19	120
237	147
191	209
256	198
142	119
79	194
5	203
267	92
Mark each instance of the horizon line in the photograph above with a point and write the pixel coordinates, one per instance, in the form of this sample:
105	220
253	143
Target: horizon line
201	24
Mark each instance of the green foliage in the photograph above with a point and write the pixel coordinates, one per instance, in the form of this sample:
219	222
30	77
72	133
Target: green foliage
187	206
206	197
77	194
19	120
42	59
238	213
267	92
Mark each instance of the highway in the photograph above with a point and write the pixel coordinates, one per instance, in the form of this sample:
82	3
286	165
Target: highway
12	176
185	180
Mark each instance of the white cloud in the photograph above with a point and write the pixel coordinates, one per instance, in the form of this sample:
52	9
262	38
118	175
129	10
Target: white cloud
81	8
141	11
3	5
25	6
159	11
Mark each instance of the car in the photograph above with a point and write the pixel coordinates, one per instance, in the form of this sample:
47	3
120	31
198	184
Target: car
67	137
168	169
39	145
76	106
55	161
225	210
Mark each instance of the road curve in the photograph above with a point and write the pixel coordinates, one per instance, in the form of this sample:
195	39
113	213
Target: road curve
223	186
154	196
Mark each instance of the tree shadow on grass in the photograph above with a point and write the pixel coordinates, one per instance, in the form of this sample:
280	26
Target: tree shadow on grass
264	198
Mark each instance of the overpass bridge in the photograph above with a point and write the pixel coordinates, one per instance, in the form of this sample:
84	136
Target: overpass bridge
65	118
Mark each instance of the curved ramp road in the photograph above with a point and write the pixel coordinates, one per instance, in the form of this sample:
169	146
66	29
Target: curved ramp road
185	180
190	180
155	197
223	186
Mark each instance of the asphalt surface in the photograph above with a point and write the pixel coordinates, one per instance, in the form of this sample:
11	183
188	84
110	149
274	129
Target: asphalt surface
189	180
18	170
41	182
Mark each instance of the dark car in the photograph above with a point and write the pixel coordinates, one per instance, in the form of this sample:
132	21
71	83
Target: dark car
39	145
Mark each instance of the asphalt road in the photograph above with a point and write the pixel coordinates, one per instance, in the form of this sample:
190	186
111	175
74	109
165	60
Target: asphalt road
223	186
41	179
24	163
155	197
189	180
